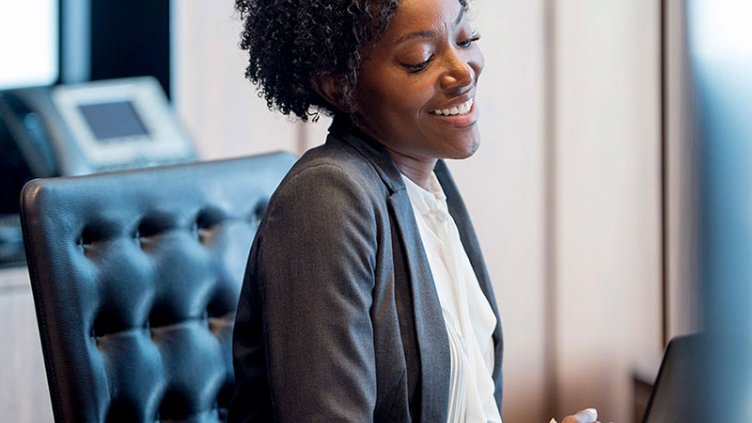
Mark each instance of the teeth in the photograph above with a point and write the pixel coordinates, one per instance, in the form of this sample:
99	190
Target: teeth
460	110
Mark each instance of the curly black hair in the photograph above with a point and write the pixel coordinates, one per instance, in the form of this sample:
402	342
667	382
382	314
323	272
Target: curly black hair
289	42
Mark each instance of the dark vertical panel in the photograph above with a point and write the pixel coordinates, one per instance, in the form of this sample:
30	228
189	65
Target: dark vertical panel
550	298
663	31
130	38
105	39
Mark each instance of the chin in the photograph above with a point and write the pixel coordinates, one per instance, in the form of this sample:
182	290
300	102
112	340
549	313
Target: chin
467	149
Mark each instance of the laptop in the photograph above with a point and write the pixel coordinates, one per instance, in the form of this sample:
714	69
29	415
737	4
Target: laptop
676	395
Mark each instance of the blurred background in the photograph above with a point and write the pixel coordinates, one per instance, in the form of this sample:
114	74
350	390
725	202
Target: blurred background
585	193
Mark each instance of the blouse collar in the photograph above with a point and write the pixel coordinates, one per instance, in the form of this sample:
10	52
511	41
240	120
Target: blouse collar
430	203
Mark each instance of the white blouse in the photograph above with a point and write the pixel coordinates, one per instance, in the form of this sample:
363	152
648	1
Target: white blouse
468	316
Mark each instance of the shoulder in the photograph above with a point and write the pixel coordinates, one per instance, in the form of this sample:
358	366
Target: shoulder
330	170
337	158
331	187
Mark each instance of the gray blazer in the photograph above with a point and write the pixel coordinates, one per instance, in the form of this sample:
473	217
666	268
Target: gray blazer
339	319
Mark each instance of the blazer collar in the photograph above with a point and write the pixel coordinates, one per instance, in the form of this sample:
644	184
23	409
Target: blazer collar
345	129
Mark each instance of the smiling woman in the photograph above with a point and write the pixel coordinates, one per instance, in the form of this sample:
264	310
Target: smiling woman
366	297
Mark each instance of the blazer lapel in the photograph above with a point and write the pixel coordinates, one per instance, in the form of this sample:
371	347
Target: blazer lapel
472	248
433	344
467	233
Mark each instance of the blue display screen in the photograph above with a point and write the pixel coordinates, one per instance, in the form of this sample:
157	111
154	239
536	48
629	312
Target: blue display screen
112	121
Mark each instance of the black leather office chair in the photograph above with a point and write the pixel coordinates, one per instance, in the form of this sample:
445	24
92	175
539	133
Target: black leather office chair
135	277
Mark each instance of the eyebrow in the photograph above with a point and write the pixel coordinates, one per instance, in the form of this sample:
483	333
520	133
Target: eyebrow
428	34
413	35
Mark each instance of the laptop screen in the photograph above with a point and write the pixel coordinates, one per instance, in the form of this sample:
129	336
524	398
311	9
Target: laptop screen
676	395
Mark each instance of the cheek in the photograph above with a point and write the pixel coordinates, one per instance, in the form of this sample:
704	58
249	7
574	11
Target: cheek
377	98
406	94
478	62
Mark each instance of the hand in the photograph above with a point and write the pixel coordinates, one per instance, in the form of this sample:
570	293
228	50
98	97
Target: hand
588	415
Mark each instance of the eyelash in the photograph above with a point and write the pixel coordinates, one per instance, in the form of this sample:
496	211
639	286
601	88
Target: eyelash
462	44
475	36
418	66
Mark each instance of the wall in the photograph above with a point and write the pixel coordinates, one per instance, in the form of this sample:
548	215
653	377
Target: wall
564	192
218	106
607	263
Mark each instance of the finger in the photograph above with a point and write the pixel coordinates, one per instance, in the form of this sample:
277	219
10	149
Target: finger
552	421
587	415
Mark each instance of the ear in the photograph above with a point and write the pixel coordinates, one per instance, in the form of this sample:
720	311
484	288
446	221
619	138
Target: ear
330	88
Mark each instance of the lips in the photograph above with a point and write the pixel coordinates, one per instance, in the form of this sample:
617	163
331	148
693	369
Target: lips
460	110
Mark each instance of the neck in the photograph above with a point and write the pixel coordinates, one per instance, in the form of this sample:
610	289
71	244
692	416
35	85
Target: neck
418	170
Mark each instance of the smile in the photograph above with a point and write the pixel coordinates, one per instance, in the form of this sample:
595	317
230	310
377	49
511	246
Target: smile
460	110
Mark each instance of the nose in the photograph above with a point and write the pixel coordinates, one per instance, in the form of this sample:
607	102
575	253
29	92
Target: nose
461	70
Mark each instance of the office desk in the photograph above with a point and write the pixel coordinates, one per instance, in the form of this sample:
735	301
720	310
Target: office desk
24	396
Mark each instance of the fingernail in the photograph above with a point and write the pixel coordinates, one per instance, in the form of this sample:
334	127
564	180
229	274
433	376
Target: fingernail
591	412
552	421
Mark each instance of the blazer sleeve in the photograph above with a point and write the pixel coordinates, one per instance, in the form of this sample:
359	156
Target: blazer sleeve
313	268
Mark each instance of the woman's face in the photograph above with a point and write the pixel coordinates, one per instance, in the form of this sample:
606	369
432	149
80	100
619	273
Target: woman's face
416	89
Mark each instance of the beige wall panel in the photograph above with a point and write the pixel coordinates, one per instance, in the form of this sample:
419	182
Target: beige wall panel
217	104
608	200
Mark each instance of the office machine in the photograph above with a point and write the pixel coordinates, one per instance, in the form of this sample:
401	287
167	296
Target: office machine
93	127
80	129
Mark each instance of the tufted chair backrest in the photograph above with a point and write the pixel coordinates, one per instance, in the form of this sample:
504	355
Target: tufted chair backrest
136	277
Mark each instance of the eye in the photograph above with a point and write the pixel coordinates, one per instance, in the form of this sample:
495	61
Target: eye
469	41
417	67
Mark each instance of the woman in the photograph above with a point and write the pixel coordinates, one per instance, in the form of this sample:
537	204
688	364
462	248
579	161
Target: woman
366	297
